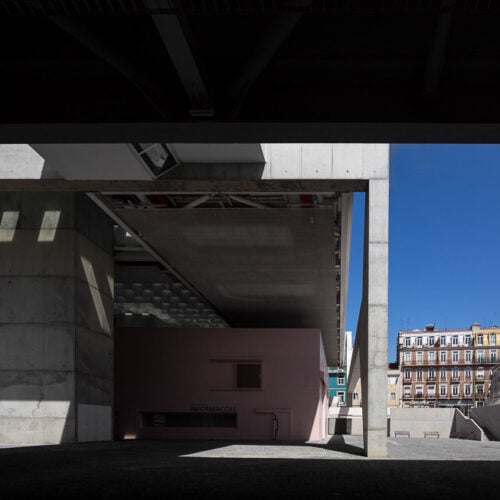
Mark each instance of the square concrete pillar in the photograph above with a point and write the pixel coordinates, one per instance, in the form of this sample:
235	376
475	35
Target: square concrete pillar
373	320
56	305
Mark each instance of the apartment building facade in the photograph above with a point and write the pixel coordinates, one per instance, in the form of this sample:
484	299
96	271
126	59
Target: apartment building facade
337	385
394	388
447	368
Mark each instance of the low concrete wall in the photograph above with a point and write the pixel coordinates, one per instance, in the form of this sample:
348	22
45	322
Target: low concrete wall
488	418
466	428
345	420
417	421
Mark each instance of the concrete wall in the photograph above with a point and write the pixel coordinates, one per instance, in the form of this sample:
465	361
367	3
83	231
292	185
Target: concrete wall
466	428
326	161
190	370
488	418
52	355
419	420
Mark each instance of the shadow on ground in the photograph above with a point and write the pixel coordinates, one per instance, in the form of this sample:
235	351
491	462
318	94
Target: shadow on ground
175	469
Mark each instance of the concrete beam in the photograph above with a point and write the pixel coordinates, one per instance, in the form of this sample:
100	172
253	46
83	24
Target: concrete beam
289	186
436	57
176	37
148	88
263	52
244	133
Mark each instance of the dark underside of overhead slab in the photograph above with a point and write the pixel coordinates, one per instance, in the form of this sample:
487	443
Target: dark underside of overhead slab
258	267
125	71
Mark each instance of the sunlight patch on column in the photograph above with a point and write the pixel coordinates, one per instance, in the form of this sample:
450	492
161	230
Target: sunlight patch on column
88	269
8	225
50	222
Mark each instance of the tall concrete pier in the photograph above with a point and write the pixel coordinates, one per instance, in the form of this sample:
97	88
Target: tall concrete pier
56	306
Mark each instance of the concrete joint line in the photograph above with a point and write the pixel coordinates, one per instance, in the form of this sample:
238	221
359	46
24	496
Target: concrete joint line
80	372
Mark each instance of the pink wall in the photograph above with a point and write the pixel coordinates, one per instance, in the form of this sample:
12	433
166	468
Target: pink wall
184	370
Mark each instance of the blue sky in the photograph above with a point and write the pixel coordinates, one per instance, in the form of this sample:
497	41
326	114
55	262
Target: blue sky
444	239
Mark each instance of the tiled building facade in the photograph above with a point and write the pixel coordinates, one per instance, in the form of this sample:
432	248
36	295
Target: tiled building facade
443	368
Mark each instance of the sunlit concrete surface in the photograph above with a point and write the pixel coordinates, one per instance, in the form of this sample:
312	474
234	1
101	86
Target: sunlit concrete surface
351	447
416	468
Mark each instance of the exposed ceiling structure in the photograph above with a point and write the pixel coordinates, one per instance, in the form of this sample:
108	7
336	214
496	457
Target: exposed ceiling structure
253	260
148	294
140	67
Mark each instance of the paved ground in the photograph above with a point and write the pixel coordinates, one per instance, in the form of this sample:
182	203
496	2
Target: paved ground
417	468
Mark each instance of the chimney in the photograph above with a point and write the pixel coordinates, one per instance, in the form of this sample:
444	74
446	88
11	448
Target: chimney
475	326
429	328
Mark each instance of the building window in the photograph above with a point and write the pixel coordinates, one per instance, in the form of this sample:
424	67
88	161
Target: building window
455	373
430	340
454	356
454	390
393	379
493	339
432	356
407	357
419	391
407	341
419	373
341	396
419	341
493	356
407	373
467	372
432	373
467	340
407	391
355	396
442	374
479	339
248	375
393	396
442	355
480	388
442	390
467	389
443	340
454	340
468	355
480	356
480	372
420	356
431	390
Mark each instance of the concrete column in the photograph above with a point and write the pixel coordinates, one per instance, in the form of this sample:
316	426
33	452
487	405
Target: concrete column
56	306
373	320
